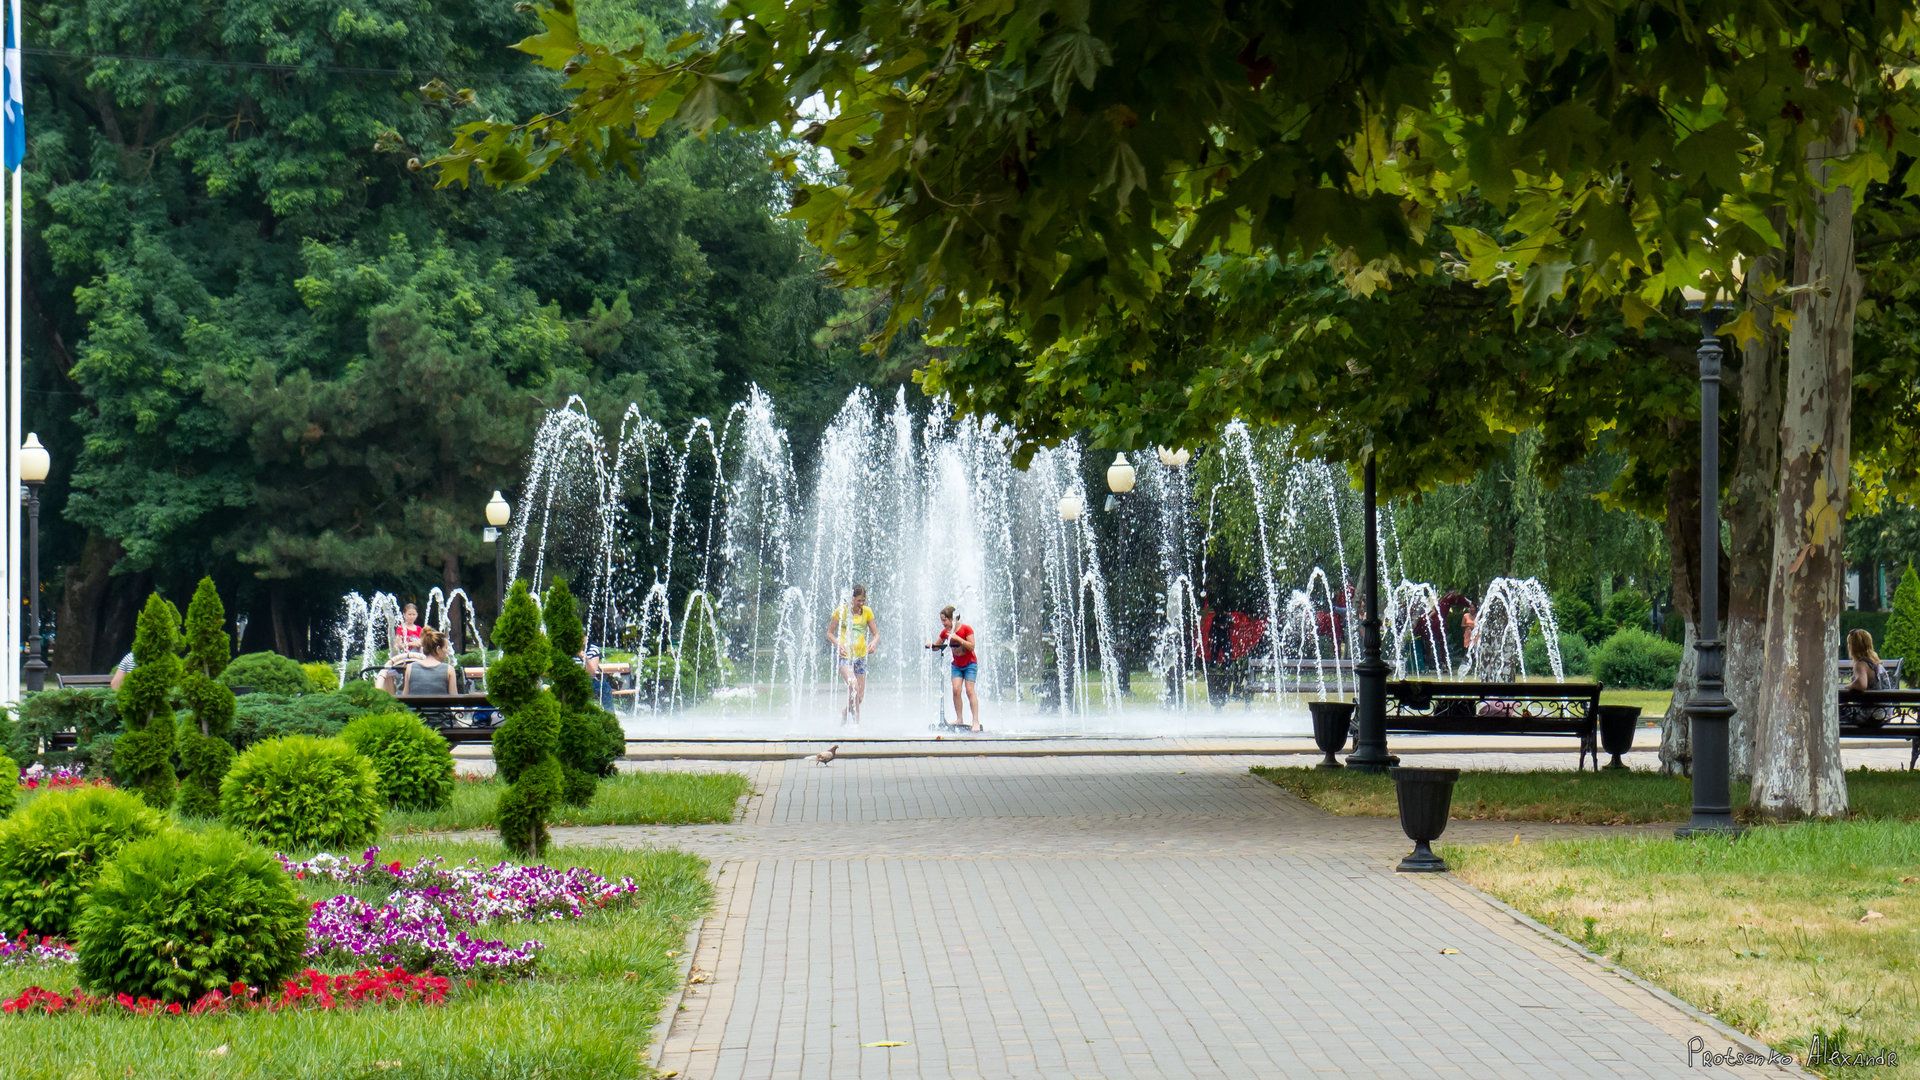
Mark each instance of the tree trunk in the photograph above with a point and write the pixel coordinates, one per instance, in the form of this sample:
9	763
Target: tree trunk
80	615
1796	767
277	618
1750	512
1683	546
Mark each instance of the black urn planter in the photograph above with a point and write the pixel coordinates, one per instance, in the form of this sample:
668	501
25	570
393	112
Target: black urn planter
1425	797
1617	725
1331	721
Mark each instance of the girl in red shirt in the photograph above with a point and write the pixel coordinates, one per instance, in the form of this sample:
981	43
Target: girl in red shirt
965	664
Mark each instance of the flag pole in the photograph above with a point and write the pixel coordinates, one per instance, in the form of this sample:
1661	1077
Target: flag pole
16	383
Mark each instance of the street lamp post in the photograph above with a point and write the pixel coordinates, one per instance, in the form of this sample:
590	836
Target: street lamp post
1370	674
498	514
35	463
1708	710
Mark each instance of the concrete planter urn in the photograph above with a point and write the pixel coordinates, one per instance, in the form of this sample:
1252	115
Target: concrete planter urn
1617	725
1426	798
1331	722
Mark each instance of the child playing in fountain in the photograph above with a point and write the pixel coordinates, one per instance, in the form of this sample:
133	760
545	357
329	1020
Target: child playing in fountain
964	663
854	635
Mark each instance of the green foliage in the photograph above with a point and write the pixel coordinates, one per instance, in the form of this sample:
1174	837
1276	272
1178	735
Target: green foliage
267	673
207	645
1575	657
92	714
580	743
1629	609
143	757
1873	622
363	694
1903	626
1575	616
322	678
174	916
210	702
413	762
523	747
269	716
204	761
301	793
51	851
9	784
1634	659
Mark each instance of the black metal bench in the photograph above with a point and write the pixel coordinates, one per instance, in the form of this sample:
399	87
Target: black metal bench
1428	706
457	717
77	682
1889	714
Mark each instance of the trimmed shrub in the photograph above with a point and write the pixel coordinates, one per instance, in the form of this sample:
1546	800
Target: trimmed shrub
92	714
51	851
9	785
523	747
321	678
204	761
1575	616
1636	660
175	916
1903	627
364	695
413	762
143	757
1575	657
1873	622
266	673
1629	609
201	742
580	742
299	793
269	716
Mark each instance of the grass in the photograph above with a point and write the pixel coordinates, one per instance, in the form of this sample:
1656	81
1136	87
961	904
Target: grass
640	798
1653	703
1766	933
1609	797
587	1014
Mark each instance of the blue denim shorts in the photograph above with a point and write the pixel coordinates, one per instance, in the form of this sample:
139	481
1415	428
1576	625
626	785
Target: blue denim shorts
858	664
970	673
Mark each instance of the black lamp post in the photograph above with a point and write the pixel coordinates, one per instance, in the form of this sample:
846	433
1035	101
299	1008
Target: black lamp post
35	463
1708	710
498	514
1370	674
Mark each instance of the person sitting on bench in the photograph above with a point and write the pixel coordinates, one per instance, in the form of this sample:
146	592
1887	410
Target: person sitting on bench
1868	674
431	674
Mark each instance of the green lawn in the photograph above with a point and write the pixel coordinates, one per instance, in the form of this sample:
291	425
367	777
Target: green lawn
1609	797
588	1013
640	798
1788	933
1653	703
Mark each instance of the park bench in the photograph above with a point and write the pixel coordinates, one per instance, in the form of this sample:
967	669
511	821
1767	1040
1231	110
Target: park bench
1426	706
457	717
77	682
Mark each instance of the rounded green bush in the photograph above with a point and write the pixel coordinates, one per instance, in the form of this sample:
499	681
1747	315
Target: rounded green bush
9	785
1636	660
51	852
174	916
1575	656
266	673
321	678
364	695
414	763
301	793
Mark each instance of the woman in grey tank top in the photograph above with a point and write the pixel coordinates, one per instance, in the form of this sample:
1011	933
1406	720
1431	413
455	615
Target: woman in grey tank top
431	674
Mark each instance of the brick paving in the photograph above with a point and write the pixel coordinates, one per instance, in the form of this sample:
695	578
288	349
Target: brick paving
1117	916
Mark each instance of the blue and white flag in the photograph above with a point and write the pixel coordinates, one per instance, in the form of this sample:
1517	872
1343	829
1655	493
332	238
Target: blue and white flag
14	99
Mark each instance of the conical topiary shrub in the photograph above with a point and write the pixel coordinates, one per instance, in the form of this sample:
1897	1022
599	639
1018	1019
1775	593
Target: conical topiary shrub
1903	627
523	748
205	753
143	755
590	738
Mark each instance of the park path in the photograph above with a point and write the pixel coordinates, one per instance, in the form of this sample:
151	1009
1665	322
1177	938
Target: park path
1117	917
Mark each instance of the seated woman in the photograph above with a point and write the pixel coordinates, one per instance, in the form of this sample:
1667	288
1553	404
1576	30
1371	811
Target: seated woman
431	674
1868	674
403	648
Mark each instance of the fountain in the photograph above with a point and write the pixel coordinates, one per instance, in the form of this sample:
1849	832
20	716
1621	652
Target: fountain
714	554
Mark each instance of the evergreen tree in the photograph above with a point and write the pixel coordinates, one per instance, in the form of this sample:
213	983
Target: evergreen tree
1903	627
590	737
523	748
143	755
205	754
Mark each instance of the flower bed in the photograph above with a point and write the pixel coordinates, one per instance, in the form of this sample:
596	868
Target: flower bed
310	990
28	949
413	924
36	776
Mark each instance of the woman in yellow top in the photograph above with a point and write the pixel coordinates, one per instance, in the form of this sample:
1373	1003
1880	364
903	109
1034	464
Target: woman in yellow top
854	635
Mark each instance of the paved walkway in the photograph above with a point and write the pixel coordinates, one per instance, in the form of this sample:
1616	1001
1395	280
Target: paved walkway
1117	916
